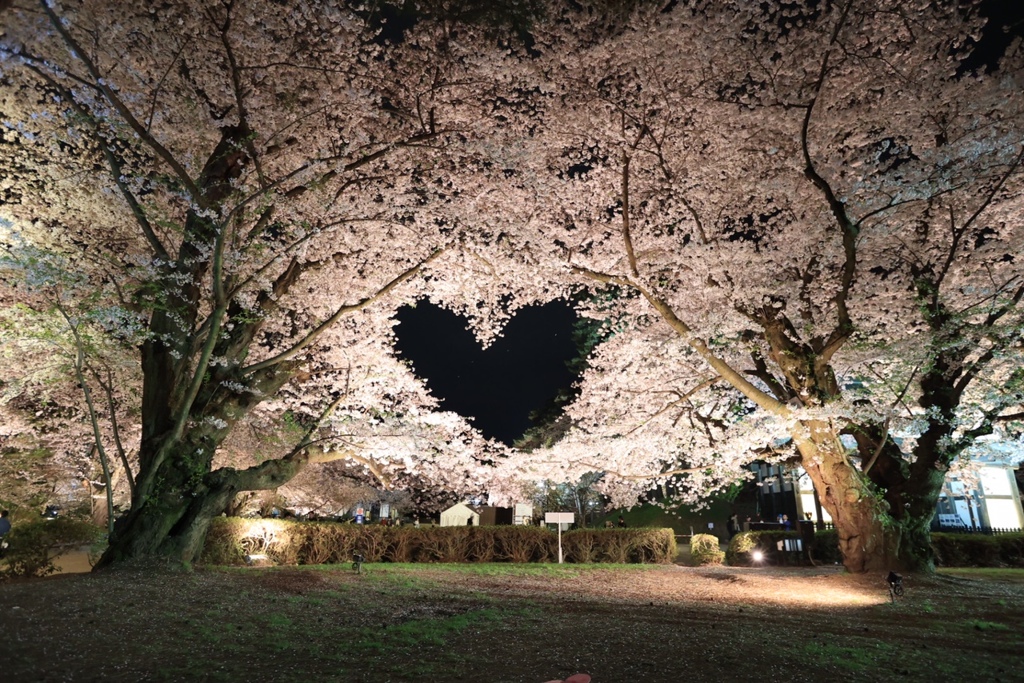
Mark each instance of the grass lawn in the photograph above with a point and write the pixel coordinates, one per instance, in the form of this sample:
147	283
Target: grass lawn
990	573
495	623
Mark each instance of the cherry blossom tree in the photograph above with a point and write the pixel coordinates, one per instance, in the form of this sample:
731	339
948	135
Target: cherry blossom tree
68	399
64	341
801	222
808	215
259	188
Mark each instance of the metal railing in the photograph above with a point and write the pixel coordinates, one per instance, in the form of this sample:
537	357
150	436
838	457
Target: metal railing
983	530
945	529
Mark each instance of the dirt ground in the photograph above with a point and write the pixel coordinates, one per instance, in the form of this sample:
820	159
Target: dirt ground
496	623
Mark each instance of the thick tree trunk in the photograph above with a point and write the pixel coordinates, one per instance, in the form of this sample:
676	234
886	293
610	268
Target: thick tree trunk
864	540
879	529
912	506
171	522
156	533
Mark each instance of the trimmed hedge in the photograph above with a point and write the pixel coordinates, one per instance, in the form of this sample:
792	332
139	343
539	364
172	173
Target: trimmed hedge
978	550
232	540
951	550
742	546
826	547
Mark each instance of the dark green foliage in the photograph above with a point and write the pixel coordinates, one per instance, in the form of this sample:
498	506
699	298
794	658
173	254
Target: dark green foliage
742	546
232	540
33	546
826	547
550	423
824	551
978	550
951	550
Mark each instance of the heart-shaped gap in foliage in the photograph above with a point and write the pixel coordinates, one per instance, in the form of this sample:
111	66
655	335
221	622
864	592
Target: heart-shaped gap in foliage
495	388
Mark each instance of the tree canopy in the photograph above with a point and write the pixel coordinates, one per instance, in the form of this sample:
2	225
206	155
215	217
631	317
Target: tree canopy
799	224
812	215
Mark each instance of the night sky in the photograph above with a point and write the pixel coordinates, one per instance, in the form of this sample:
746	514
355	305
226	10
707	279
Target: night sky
1005	22
497	388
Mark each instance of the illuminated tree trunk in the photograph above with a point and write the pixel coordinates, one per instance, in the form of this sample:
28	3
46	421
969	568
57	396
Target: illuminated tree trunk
171	521
879	528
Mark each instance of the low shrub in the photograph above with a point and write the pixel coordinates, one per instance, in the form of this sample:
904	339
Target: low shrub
526	544
442	544
33	546
951	550
704	550
583	546
403	546
235	541
371	541
654	546
737	554
481	545
615	547
631	545
769	543
322	544
826	547
223	542
978	550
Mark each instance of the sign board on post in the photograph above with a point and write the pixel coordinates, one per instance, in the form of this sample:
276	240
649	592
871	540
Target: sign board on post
559	518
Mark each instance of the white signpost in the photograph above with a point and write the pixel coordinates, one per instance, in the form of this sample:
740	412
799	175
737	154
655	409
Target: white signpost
559	518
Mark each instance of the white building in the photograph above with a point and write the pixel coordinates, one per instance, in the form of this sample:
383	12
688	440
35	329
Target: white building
460	514
522	513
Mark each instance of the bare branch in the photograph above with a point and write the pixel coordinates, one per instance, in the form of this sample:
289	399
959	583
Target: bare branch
683	398
115	167
627	237
642	477
848	228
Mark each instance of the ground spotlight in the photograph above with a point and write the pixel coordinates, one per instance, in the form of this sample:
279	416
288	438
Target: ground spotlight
757	556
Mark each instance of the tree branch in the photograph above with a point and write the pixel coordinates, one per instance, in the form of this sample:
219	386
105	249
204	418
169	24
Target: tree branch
848	228
682	398
343	310
115	167
121	108
108	388
726	371
236	86
627	237
958	233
